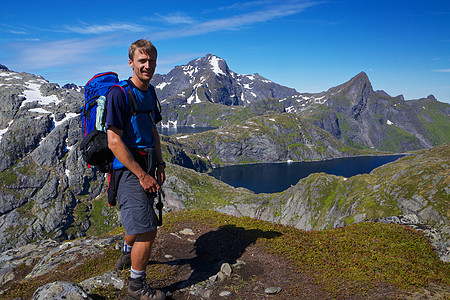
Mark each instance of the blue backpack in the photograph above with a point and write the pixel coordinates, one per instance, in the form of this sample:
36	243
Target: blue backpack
94	147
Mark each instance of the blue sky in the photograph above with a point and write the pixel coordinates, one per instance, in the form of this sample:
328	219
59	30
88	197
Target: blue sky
403	46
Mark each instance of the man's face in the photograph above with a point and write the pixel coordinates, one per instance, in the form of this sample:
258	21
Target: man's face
143	64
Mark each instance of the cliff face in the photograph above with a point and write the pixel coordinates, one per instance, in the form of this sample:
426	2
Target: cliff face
359	116
46	189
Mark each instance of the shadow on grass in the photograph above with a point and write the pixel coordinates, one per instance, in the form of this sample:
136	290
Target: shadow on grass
212	249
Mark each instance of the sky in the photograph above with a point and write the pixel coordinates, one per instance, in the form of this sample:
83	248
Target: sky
403	46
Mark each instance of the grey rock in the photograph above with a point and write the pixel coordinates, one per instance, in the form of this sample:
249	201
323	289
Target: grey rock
71	252
225	294
22	137
104	280
60	290
272	290
226	269
52	148
23	256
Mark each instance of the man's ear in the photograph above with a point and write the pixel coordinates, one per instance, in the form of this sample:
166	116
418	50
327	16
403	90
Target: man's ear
130	62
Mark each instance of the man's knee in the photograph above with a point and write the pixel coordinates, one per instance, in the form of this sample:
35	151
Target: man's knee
146	237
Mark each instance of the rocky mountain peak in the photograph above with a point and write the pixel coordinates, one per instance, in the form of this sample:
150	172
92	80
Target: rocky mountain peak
431	97
358	89
208	79
3	67
358	84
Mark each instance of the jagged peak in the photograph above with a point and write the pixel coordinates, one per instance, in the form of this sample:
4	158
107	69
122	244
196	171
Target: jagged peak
3	67
360	78
355	85
431	97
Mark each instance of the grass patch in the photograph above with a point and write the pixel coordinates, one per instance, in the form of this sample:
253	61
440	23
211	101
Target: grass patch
353	258
345	261
8	177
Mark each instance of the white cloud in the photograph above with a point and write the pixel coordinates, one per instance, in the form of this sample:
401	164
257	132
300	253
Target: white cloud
107	28
234	22
33	56
442	70
176	18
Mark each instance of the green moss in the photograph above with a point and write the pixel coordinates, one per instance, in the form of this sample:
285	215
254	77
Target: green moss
354	258
8	177
395	137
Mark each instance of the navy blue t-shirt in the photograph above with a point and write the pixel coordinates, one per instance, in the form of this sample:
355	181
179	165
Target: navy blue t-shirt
118	109
137	129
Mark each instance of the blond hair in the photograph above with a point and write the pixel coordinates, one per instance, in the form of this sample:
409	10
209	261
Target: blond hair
143	44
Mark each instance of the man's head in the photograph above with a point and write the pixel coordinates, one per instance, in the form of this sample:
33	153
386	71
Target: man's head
142	45
142	58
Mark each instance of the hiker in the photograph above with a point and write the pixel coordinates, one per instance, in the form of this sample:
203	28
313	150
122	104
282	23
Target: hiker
132	138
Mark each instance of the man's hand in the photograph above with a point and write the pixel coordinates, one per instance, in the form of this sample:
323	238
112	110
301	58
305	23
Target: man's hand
122	153
149	184
160	175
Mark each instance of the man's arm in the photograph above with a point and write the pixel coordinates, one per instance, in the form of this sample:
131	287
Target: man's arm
123	154
160	171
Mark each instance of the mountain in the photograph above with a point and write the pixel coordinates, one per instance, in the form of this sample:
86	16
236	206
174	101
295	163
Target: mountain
47	191
352	112
45	188
359	116
208	79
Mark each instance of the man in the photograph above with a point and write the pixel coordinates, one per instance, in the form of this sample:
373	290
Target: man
130	136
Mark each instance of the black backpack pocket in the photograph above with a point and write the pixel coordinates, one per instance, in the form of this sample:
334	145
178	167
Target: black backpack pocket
94	150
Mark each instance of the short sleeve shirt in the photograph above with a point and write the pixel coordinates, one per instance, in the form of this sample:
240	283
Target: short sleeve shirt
118	109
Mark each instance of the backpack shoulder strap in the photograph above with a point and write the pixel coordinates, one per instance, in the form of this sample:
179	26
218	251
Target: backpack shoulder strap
158	104
131	99
122	85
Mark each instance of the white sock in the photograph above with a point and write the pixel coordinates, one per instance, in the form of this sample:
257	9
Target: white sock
137	274
126	248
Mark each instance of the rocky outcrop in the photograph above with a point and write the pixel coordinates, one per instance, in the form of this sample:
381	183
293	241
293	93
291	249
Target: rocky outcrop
62	290
45	184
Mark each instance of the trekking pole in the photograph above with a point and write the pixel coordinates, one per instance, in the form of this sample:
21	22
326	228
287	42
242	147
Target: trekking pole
159	207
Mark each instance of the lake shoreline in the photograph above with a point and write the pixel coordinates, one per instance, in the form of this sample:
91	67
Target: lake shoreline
277	177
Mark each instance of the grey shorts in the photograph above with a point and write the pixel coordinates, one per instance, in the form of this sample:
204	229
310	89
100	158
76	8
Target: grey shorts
136	208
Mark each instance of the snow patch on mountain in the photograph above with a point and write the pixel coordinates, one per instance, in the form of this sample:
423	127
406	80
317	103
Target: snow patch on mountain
214	61
2	131
33	94
162	85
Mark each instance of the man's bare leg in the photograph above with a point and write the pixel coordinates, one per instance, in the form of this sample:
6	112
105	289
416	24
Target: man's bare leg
140	253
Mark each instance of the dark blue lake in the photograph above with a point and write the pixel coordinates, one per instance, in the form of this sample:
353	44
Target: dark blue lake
277	177
182	129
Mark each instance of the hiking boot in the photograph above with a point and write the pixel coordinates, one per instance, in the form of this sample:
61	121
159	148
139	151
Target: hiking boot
140	290
124	261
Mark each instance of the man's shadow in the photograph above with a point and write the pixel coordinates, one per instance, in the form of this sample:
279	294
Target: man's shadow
224	245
